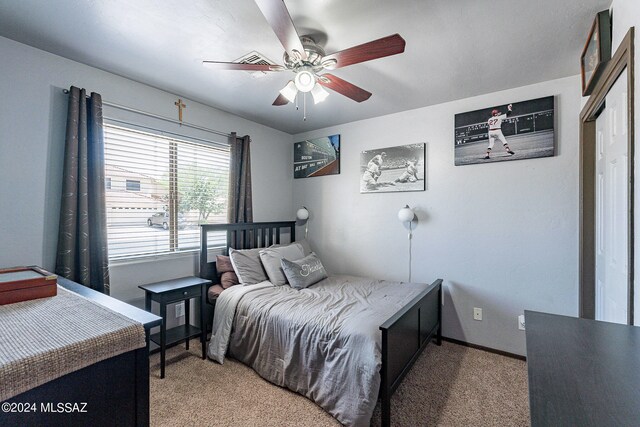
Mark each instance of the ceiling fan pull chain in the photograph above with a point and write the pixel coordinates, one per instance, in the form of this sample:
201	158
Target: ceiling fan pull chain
297	108
304	106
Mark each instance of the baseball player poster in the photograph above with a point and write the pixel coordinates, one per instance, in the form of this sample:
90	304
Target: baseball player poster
391	169
316	157
514	131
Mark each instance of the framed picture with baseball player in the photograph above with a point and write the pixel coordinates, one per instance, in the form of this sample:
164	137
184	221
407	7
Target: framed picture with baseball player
392	169
316	157
514	131
596	52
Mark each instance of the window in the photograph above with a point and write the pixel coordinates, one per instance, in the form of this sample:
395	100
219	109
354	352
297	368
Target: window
107	183
161	175
133	185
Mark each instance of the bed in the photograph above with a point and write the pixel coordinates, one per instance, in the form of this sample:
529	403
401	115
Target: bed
363	337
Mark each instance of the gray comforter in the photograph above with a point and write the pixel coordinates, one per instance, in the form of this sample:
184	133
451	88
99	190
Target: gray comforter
322	342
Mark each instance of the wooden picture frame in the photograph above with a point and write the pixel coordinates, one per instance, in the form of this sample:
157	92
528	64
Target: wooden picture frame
596	51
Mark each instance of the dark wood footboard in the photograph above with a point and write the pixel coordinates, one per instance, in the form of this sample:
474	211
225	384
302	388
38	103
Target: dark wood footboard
404	337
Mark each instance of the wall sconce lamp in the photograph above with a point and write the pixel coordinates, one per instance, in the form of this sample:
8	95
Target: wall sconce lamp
303	215
407	214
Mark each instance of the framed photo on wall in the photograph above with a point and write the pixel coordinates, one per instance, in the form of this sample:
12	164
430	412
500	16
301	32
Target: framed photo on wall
316	157
515	131
596	52
392	169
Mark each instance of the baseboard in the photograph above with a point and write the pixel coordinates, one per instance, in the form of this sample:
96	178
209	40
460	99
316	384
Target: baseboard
483	348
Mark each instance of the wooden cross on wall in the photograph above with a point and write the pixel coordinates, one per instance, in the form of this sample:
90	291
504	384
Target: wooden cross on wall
180	106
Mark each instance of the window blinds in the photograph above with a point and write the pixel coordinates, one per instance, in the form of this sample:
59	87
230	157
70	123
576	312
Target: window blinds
149	176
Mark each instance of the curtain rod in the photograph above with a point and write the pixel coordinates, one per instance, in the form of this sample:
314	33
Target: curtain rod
157	116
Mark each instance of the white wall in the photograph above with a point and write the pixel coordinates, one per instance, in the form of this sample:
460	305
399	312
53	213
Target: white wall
503	236
626	14
32	130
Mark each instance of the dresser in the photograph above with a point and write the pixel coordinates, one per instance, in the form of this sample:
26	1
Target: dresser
582	372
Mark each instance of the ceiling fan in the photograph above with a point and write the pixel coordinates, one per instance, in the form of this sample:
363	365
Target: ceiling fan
307	59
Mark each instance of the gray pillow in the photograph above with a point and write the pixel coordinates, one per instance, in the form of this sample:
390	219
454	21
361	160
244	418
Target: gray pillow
304	272
306	248
247	265
272	256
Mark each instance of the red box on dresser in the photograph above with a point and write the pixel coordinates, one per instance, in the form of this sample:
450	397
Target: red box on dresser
26	283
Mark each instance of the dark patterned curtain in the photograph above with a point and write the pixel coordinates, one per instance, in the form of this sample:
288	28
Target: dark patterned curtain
82	238
240	205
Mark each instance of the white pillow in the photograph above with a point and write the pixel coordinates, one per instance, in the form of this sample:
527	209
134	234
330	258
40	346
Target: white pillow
271	260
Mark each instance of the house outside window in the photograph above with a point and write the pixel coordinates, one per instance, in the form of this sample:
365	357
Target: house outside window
161	175
133	185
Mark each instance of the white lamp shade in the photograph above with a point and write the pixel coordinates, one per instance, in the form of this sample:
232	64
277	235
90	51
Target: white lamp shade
319	94
305	80
406	214
290	91
302	214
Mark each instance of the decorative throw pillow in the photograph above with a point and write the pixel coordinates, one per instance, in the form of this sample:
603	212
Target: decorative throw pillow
247	265
272	256
214	292
229	279
223	264
304	272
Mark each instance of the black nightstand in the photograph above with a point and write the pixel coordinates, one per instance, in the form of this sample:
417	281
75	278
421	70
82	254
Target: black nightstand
173	291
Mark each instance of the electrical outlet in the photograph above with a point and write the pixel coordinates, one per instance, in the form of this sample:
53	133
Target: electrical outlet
477	313
521	322
180	309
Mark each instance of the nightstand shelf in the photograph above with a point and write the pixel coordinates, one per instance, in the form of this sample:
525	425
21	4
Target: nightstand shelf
177	334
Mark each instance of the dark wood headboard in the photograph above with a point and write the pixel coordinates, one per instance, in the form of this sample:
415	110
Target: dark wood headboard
242	236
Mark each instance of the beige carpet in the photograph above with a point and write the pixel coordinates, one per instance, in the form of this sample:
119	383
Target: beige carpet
449	385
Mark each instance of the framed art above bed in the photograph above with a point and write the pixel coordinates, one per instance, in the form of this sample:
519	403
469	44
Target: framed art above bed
316	157
393	169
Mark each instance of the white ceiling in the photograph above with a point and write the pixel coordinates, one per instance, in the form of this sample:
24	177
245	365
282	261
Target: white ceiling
455	48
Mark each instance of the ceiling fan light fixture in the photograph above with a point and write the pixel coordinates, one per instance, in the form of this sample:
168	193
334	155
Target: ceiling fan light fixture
289	91
329	64
297	56
305	80
319	94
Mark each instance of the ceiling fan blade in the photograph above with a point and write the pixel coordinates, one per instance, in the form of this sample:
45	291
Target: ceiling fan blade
280	21
245	67
280	100
344	87
386	46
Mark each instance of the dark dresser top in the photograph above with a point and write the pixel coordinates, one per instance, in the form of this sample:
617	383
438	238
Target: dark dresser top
582	372
147	319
